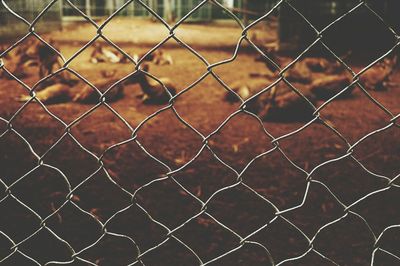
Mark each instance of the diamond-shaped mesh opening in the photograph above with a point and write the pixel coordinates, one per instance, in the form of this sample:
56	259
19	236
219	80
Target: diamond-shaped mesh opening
387	216
356	238
175	155
281	245
249	254
169	203
14	150
20	223
197	132
202	181
45	247
233	143
69	220
146	233
388	143
317	201
388	239
348	171
338	116
207	237
64	155
40	136
45	199
323	144
173	252
111	200
138	174
240	205
86	130
264	176
111	249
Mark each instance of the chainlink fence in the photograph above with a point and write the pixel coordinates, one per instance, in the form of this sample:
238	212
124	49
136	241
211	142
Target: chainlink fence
188	245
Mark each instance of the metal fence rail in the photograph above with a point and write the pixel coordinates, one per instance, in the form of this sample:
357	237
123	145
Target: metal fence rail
170	175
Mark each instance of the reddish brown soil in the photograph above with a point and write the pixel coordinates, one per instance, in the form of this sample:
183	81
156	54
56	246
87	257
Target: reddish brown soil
347	242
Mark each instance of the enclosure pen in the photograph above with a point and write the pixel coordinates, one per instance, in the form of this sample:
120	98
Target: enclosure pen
215	232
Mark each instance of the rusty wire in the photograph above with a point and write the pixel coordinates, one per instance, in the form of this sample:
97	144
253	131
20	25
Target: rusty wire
243	240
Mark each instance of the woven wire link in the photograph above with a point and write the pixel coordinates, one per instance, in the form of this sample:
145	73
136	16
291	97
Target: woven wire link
170	175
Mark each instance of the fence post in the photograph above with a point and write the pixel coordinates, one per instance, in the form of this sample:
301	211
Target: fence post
168	10
88	8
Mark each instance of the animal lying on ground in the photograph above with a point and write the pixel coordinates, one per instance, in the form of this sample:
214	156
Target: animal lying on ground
82	93
282	103
23	68
287	106
279	103
158	57
376	77
35	53
326	87
22	58
319	78
153	91
88	95
246	89
48	59
2	49
56	93
303	69
101	54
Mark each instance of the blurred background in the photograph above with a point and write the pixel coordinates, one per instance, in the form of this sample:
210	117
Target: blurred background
302	160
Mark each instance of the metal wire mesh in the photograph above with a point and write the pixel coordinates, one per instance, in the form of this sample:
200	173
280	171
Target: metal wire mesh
347	209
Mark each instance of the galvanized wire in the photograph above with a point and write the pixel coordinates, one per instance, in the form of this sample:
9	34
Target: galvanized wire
348	209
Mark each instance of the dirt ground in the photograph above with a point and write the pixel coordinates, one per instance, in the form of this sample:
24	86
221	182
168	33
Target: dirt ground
272	176
142	33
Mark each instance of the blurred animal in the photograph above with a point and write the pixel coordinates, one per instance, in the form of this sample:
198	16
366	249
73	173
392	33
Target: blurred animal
88	95
302	71
317	78
271	54
101	54
56	93
23	65
38	54
299	72
157	57
246	89
288	106
319	64
2	49
108	73
49	62
376	77
125	60
153	91
48	58
162	58
26	47
22	58
328	86
279	103
61	92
